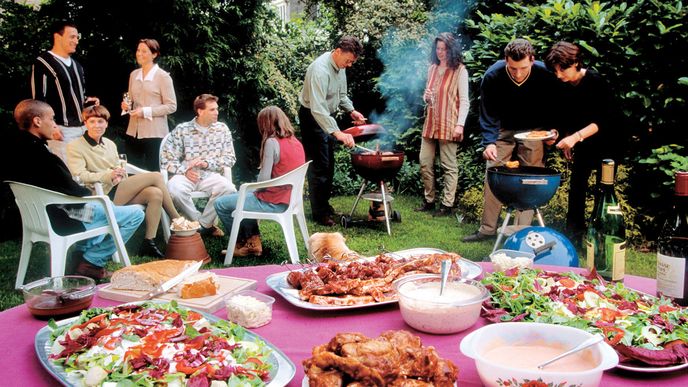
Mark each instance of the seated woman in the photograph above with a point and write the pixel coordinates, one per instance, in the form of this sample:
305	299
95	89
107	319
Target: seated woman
94	159
280	153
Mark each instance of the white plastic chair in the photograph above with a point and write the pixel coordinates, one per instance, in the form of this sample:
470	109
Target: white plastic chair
227	173
36	227
294	178
164	219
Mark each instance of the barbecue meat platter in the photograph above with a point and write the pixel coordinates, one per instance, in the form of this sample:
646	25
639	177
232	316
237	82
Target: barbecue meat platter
342	285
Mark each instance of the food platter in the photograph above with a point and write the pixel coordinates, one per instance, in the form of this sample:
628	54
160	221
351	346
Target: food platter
305	382
525	136
278	282
283	369
652	370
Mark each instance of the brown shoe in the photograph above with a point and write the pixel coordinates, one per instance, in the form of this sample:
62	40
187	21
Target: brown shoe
88	269
212	231
426	207
326	220
254	245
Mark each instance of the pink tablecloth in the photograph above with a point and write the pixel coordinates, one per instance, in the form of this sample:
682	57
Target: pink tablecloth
295	331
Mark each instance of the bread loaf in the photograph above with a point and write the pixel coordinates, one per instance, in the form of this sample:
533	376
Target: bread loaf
147	276
199	285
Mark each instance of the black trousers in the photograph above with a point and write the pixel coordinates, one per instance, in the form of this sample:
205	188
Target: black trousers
319	147
144	152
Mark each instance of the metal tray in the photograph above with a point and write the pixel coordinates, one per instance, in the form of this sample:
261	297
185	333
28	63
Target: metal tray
278	282
283	369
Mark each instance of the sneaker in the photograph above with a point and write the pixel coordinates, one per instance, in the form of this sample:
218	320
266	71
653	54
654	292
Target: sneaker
88	269
477	237
426	207
212	231
150	249
443	211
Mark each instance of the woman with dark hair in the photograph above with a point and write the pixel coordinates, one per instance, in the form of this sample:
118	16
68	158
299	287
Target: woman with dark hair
586	125
94	159
150	98
280	153
446	98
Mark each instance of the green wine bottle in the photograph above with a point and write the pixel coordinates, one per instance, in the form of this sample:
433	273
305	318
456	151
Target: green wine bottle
606	238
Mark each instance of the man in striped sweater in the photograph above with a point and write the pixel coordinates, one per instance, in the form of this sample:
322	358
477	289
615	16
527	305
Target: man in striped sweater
58	79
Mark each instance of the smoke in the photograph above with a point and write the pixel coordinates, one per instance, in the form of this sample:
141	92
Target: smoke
406	58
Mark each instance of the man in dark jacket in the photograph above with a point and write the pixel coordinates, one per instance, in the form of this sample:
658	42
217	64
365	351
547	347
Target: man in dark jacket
34	164
58	79
516	95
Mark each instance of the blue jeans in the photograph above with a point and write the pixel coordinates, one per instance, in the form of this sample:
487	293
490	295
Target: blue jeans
98	250
225	205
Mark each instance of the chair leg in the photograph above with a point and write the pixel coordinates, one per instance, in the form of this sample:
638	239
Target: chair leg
27	246
58	257
232	240
301	220
287	224
165	224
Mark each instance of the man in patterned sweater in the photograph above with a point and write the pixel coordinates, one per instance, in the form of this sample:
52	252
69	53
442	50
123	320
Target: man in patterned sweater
197	152
58	79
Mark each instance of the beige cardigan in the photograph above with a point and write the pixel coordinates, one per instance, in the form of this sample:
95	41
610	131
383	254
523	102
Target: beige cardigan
93	164
157	94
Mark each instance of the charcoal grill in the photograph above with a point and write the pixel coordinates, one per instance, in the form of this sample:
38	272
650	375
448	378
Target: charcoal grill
376	167
522	188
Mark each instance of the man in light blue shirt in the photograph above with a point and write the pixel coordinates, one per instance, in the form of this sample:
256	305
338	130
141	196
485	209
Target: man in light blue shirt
324	93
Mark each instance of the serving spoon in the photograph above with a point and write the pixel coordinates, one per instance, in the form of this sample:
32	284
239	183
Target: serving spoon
445	266
587	343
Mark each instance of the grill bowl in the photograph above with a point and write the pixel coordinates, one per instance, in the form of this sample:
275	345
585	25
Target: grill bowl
523	188
377	166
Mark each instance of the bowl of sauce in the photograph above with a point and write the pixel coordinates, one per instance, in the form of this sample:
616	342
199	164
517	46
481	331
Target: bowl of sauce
512	352
59	297
422	307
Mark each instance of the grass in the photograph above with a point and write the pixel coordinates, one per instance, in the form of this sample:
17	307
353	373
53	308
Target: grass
414	230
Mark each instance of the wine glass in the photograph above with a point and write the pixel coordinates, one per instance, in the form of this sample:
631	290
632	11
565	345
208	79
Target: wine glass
123	163
126	97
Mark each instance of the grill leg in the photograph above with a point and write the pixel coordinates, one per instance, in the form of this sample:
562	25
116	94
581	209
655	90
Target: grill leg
539	217
358	198
384	204
500	234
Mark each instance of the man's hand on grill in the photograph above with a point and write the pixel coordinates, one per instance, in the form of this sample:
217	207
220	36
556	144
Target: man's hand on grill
345	138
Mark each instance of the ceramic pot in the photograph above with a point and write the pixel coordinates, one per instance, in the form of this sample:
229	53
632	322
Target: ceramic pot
187	248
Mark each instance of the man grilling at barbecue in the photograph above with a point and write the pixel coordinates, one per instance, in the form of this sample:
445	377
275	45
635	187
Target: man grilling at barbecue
515	96
324	92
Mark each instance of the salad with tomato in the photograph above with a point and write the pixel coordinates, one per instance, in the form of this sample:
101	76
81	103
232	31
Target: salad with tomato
642	329
153	344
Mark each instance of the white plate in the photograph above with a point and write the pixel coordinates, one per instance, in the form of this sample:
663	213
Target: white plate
523	136
278	282
283	369
652	369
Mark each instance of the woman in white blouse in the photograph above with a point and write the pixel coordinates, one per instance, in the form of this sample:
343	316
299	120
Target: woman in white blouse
152	98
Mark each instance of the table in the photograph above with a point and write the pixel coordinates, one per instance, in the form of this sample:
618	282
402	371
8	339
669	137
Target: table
295	331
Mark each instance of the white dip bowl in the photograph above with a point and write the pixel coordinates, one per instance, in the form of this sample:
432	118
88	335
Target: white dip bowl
482	341
424	309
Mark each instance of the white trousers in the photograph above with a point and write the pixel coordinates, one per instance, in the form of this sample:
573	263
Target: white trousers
214	184
70	133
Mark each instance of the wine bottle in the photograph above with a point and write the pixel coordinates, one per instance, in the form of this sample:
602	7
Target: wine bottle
606	237
672	246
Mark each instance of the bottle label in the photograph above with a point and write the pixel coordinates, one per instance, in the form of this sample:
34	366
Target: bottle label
670	275
614	210
619	265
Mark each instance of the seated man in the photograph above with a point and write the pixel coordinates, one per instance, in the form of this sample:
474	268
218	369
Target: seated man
197	152
34	164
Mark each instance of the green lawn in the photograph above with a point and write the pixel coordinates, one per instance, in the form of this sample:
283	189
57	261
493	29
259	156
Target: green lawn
415	230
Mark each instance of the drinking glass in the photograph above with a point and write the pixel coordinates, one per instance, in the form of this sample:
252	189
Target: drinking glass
126	97
123	162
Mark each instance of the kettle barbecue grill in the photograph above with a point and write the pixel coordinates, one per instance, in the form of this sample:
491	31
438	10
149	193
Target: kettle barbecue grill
522	188
378	167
